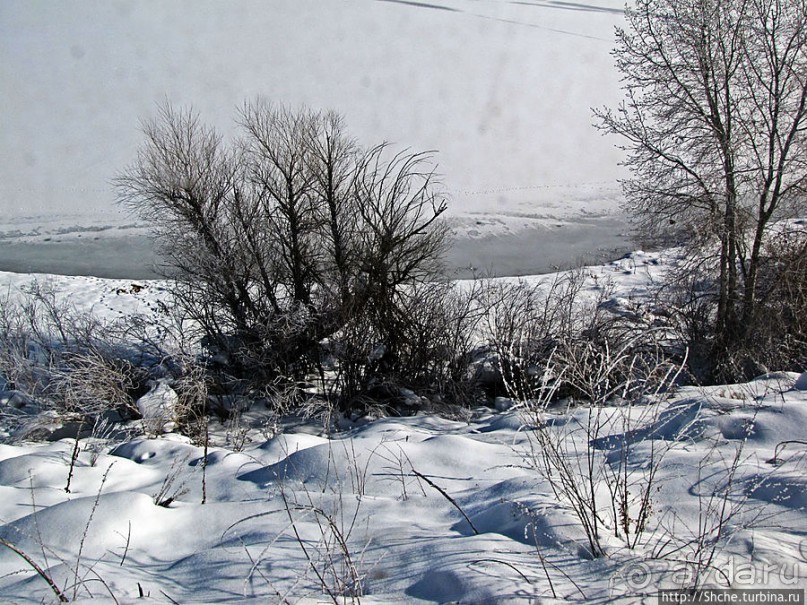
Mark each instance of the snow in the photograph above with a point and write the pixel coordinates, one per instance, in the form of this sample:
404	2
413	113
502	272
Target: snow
422	509
430	509
511	211
158	407
503	90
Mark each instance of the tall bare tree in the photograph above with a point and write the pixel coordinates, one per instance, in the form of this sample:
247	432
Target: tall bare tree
715	124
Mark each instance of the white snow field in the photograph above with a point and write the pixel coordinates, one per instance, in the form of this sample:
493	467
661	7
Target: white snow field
695	487
420	509
501	90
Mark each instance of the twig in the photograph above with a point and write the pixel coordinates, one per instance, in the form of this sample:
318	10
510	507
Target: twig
205	460
39	539
73	458
780	448
447	497
87	529
162	592
128	540
301	543
500	562
42	573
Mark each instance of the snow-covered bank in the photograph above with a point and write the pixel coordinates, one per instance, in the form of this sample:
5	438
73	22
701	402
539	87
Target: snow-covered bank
427	510
418	509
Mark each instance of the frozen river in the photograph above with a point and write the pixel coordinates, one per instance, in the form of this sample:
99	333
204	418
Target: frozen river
129	254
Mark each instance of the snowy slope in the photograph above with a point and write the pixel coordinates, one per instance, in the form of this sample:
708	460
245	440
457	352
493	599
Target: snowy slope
407	541
419	509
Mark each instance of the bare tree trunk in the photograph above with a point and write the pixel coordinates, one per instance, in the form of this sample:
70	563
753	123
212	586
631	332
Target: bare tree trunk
715	119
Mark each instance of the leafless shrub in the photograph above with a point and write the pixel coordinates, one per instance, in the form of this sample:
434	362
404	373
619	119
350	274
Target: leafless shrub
525	324
554	340
583	457
323	522
191	384
562	340
102	433
400	470
65	360
331	559
689	300
173	486
278	240
92	381
424	344
84	369
779	339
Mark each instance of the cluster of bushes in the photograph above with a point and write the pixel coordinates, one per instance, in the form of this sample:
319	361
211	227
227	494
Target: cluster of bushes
459	344
53	358
307	271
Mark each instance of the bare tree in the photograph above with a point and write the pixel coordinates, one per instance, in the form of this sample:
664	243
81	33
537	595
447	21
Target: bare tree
334	160
282	237
715	120
400	241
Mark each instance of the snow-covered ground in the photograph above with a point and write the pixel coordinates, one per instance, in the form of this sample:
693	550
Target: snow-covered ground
423	509
418	509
